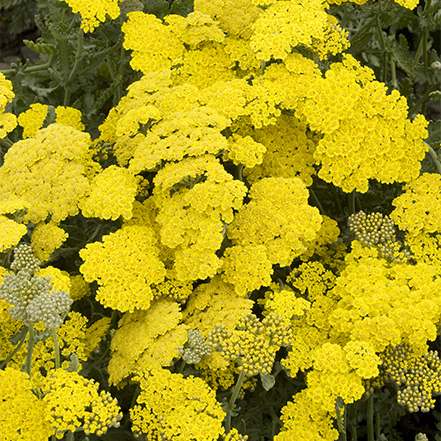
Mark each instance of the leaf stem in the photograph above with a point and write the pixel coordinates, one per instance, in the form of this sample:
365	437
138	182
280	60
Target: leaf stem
16	349
56	348
230	406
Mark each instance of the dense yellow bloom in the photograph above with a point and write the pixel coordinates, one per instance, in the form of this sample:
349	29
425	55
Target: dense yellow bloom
125	265
285	304
287	24
375	142
312	279
32	120
73	403
10	233
155	46
95	333
418	209
22	414
235	17
277	217
147	339
195	199
69	116
94	11
178	408
386	304
326	237
245	151
46	238
305	420
289	151
79	287
246	267
112	193
8	121
48	171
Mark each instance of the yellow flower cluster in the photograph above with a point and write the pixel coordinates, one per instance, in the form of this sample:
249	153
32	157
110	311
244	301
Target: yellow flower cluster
278	217
94	11
375	142
176	408
312	280
306	421
210	304
33	119
8	121
289	152
46	238
112	193
73	403
11	230
125	265
22	414
48	171
195	200
147	339
285	25
418	209
386	304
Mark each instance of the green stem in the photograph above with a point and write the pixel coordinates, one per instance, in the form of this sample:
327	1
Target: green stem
16	349
35	68
181	367
420	102
75	69
393	73
132	403
377	425
363	30
352	202
239	172
317	202
230	406
370	418
31	344
435	159
56	349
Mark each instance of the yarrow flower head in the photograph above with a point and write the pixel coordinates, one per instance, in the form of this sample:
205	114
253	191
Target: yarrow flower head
176	408
22	414
418	209
75	403
94	12
125	264
8	121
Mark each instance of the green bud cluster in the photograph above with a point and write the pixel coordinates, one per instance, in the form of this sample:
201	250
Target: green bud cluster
31	297
24	259
104	414
418	378
372	229
252	344
196	348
